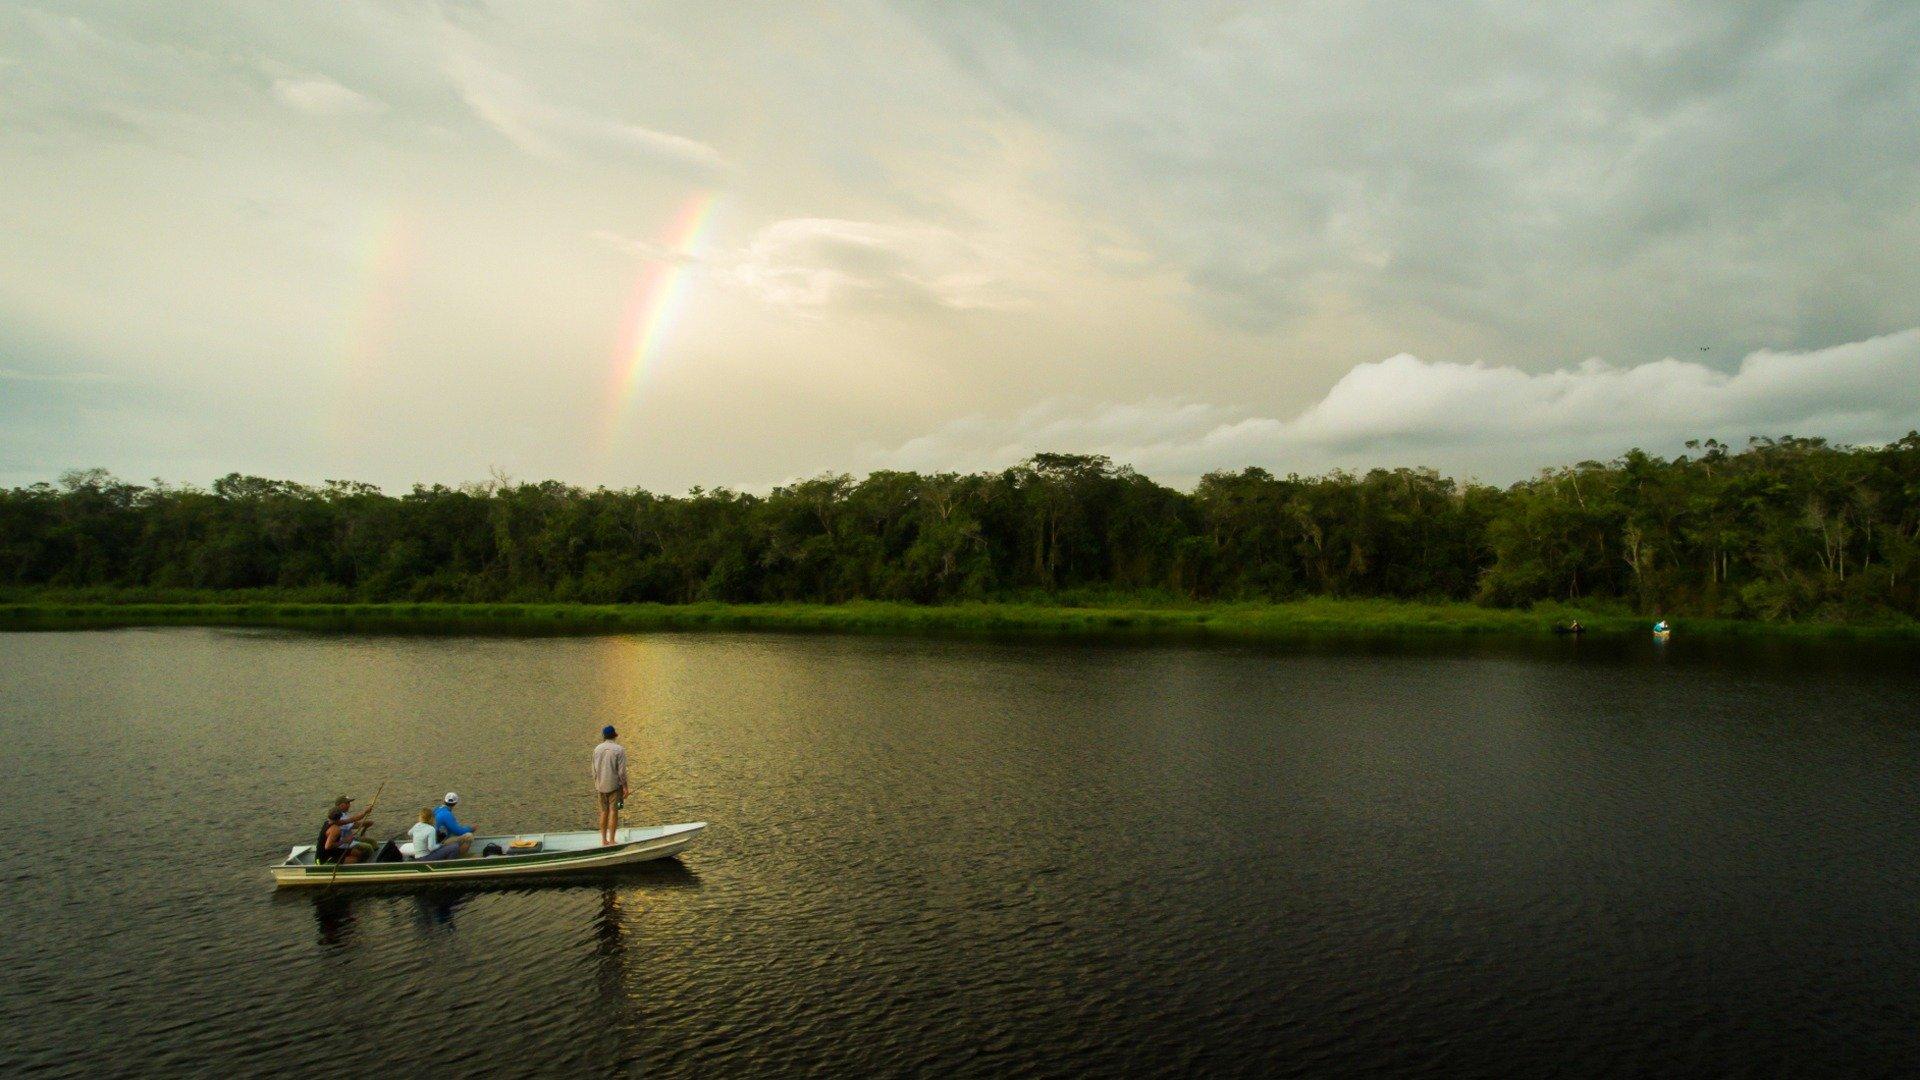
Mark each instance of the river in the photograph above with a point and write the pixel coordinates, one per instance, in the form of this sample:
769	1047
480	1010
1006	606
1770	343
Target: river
972	857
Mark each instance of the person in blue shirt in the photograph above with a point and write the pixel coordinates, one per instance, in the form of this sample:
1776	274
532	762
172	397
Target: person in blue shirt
445	824
426	841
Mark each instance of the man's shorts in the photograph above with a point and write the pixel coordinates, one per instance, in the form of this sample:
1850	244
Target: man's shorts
608	800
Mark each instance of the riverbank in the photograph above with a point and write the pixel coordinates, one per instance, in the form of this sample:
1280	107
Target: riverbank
1252	621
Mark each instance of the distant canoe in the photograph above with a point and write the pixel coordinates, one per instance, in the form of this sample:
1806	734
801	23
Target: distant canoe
557	853
1569	629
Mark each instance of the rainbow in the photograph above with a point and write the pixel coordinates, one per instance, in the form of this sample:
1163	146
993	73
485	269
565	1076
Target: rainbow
370	308
656	298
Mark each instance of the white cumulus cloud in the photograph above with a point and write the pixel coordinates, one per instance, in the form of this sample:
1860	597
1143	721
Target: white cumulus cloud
813	262
321	96
548	131
1493	421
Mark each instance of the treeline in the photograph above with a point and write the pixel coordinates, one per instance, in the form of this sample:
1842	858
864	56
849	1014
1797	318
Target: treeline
1786	528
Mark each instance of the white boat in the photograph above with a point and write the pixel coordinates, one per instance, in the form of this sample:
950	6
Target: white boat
537	854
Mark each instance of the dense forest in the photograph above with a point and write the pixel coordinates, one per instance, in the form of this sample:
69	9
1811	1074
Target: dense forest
1786	528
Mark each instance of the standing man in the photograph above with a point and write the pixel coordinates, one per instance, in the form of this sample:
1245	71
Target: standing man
610	781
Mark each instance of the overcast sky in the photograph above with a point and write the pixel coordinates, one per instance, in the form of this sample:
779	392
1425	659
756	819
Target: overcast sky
679	244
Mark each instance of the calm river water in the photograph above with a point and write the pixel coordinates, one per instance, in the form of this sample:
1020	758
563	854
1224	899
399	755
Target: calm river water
972	857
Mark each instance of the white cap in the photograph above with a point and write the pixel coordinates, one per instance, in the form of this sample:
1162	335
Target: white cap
452	798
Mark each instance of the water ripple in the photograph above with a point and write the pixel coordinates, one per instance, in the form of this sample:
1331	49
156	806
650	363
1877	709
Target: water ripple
971	859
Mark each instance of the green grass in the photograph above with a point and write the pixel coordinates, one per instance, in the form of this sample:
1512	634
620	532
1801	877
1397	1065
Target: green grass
1243	621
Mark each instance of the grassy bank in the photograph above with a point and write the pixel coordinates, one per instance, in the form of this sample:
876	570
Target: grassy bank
1241	621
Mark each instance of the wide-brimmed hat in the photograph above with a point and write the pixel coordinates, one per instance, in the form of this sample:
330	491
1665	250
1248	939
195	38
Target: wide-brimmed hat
338	799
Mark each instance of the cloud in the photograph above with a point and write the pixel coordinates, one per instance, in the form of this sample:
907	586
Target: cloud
19	375
1497	179
633	138
815	262
321	96
1124	431
1490	420
1208	213
551	132
646	249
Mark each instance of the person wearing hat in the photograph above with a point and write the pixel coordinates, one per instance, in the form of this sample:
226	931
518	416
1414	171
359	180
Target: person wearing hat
445	824
610	783
336	842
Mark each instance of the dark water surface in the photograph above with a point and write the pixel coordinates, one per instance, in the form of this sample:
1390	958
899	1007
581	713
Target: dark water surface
973	858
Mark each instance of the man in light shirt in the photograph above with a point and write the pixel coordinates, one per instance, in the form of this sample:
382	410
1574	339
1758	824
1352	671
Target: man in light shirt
610	782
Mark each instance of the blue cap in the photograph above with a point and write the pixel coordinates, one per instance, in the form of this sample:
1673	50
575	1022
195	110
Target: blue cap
608	732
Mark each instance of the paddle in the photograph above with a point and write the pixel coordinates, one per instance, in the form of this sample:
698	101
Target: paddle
342	861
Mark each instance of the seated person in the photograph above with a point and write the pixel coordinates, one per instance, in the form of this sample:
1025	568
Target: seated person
337	842
426	844
445	825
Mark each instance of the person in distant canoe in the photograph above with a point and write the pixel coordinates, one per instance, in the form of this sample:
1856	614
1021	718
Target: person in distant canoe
337	841
1661	627
426	840
446	826
610	783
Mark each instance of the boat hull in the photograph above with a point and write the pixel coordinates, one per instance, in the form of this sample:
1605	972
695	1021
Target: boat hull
636	846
